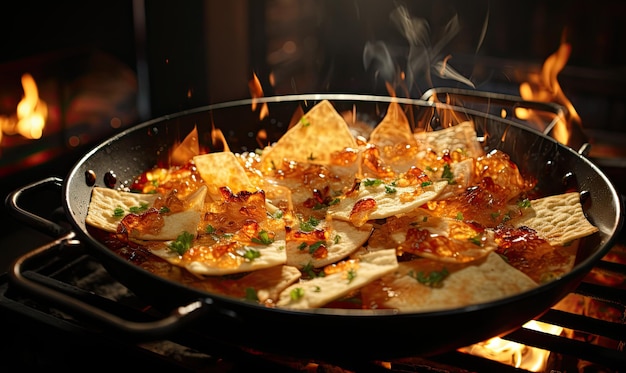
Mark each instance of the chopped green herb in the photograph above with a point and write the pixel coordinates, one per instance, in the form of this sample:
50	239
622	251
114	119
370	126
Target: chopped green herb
525	203
209	229
309	270
433	279
305	122
278	214
317	289
164	210
138	209
337	239
302	246
447	174
351	275
251	254
263	238
372	182
309	225
251	294
494	215
390	190
426	183
296	293
118	212
182	243
459	216
476	240
314	246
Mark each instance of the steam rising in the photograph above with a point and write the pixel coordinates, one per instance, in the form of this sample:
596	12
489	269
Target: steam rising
424	58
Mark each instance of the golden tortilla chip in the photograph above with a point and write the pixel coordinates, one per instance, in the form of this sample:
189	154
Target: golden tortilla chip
424	285
265	284
460	137
394	129
558	219
106	202
377	200
222	169
438	238
319	133
343	239
240	258
108	206
345	277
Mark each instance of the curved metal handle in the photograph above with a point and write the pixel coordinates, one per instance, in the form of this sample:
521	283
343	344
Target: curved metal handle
37	222
19	275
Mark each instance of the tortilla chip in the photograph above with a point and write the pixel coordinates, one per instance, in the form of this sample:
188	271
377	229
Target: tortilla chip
343	239
422	285
234	261
349	276
460	137
438	238
393	129
389	200
101	215
265	284
319	133
222	169
558	219
104	201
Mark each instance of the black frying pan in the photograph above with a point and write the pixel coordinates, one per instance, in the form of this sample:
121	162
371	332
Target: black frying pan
321	332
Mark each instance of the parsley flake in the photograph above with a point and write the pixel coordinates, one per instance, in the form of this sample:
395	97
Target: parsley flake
433	279
251	254
263	238
118	212
182	243
296	293
372	182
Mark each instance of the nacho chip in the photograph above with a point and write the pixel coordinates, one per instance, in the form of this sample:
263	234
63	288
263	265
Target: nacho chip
342	239
438	238
461	137
559	219
212	260
319	133
375	199
101	215
424	285
394	129
343	278
263	285
108	206
222	169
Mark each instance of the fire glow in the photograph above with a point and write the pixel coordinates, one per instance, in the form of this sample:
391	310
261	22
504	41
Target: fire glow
544	87
31	113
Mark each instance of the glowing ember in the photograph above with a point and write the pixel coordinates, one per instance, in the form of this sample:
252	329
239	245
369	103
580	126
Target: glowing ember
545	87
31	113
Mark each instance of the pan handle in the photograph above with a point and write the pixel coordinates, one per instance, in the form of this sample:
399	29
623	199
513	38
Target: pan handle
28	281
37	222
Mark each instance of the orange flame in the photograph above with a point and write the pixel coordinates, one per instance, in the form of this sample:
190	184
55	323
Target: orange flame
31	113
515	354
545	87
256	91
187	149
